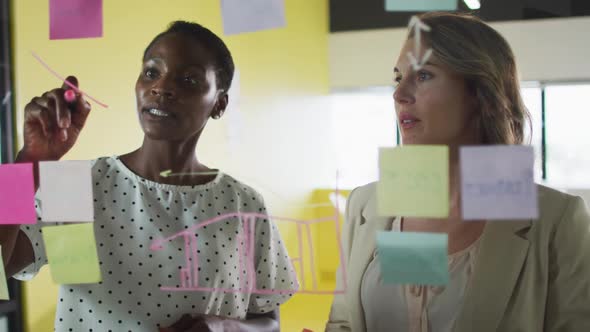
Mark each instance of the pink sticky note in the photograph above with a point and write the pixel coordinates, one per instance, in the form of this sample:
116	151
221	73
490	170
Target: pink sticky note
17	194
71	19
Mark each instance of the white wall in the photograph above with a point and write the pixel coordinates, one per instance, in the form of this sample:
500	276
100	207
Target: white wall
553	49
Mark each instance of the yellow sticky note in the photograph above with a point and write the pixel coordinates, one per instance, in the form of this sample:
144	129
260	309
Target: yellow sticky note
414	181
3	284
71	252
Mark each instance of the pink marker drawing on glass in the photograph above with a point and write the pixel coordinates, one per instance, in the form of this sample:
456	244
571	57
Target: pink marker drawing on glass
73	87
189	274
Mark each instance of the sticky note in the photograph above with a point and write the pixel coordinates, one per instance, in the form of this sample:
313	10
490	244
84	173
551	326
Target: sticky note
17	194
413	258
420	5
3	282
71	252
497	182
71	19
413	181
65	190
241	16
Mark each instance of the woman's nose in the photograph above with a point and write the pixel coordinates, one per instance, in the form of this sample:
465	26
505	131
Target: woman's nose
163	88
403	93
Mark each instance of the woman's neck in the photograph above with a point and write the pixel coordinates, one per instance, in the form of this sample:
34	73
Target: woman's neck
157	156
461	234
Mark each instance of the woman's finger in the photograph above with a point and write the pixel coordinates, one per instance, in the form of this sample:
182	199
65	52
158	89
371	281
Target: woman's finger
63	115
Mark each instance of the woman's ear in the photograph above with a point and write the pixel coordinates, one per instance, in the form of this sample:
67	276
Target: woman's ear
220	105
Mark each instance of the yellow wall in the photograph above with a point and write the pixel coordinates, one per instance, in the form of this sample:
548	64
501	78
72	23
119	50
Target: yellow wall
283	147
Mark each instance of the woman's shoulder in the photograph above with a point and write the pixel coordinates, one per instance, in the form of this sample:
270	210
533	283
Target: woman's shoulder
557	208
103	165
238	186
106	161
554	203
363	195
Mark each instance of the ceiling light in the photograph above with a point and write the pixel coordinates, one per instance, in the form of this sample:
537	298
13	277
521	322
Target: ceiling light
472	4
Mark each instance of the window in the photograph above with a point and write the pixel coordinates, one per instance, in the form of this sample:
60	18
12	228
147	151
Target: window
363	120
6	151
532	97
10	311
567	119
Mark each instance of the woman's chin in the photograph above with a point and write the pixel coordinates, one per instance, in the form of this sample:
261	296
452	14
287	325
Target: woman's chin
413	141
158	135
422	140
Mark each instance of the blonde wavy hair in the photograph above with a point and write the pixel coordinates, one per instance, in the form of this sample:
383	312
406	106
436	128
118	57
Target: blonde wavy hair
478	53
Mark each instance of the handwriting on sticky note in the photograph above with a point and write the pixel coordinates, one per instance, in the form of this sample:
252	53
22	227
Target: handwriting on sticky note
419	5
497	182
65	190
241	16
3	284
413	181
71	252
413	258
515	185
70	19
17	194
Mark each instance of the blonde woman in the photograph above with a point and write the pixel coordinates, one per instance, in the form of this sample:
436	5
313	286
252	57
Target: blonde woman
526	275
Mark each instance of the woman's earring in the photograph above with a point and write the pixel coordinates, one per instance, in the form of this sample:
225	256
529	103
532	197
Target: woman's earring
216	116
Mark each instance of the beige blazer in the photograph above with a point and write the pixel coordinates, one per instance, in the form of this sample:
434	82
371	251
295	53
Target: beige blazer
530	275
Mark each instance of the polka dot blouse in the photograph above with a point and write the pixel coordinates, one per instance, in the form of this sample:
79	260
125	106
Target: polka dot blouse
141	288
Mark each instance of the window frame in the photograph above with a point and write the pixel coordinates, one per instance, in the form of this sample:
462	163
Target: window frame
13	308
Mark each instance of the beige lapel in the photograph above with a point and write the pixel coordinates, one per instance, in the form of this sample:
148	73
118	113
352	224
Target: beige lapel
502	253
365	237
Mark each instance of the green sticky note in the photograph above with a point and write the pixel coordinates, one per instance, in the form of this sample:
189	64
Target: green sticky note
414	181
420	5
71	252
413	258
3	284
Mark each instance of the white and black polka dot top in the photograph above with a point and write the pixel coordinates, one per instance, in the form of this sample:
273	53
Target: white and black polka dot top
141	288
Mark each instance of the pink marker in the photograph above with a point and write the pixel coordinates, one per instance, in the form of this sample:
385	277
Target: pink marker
70	96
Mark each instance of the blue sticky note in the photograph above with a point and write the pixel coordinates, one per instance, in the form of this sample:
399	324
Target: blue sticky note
497	182
420	5
413	258
241	16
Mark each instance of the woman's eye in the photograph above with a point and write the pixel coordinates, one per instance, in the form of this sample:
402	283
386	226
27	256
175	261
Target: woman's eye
190	80
423	76
396	81
150	73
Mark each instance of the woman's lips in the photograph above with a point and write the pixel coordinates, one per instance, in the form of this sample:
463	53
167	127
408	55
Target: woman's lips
407	120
